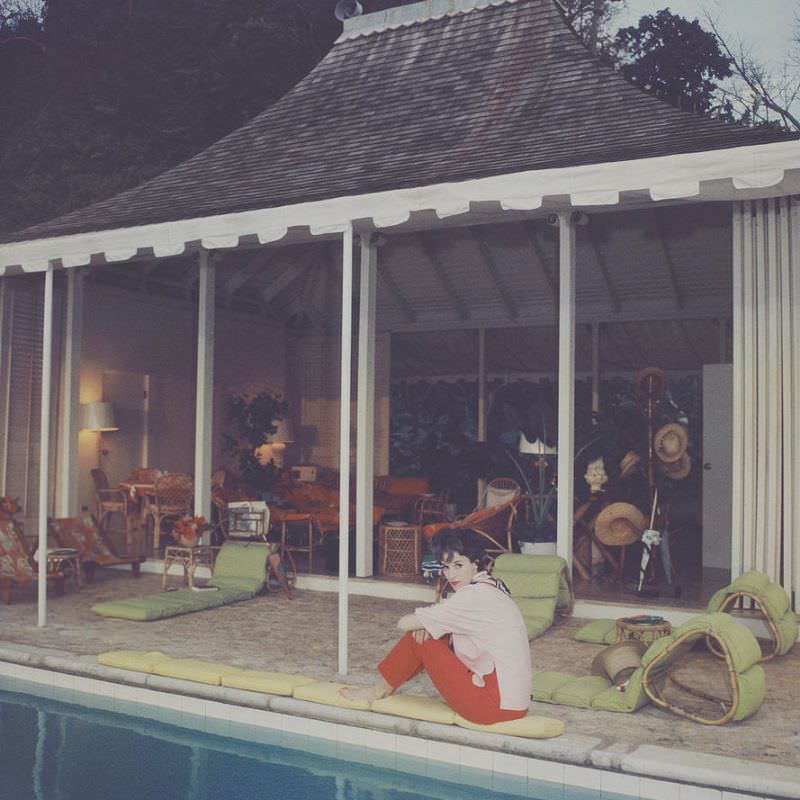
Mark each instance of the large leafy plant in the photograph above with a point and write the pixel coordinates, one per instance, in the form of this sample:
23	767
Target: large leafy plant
255	421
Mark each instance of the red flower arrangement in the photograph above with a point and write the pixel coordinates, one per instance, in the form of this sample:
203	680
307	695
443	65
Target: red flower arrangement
188	529
9	506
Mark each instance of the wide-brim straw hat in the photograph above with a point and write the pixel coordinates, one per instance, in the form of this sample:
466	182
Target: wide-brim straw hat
677	470
671	441
618	661
619	524
649	383
629	463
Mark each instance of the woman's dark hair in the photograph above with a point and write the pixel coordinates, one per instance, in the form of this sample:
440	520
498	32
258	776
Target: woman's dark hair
465	541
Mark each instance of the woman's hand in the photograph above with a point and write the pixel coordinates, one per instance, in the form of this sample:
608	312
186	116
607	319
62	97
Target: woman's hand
421	636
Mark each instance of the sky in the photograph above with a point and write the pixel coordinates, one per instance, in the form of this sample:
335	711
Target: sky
767	26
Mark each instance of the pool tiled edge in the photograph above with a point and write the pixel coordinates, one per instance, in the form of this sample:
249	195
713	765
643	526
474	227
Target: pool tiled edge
646	771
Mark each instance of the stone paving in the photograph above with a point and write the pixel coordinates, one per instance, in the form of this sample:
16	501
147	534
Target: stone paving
300	636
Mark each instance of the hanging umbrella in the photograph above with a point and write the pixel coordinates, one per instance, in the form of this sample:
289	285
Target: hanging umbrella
650	538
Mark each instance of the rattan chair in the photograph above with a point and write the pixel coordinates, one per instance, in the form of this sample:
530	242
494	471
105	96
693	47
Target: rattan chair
109	501
501	490
171	499
144	475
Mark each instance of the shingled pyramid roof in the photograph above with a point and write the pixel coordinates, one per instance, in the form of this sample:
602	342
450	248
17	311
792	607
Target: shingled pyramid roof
490	87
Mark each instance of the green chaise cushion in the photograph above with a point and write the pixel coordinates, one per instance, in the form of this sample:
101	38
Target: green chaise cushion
328	694
254	680
428	709
627	700
194	669
134	660
598	631
529	727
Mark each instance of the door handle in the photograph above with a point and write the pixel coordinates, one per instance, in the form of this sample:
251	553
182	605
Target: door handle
707	465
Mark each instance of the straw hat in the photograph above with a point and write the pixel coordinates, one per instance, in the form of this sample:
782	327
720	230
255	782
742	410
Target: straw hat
618	661
677	470
619	524
629	463
671	441
649	383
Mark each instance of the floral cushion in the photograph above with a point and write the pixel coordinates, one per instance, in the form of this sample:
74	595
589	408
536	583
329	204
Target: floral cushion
14	561
83	536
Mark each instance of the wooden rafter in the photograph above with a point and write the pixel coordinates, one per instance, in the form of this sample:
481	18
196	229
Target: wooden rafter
603	267
386	278
490	265
439	271
690	344
677	295
641	357
280	282
623	353
244	273
529	229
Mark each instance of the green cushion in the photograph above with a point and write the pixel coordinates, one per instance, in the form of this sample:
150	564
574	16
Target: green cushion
752	688
529	727
328	694
579	692
516	562
253	587
754	582
775	601
787	629
546	682
242	560
536	626
598	631
194	669
254	680
531	584
428	709
134	660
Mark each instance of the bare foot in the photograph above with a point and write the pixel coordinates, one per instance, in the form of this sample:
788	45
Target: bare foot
369	693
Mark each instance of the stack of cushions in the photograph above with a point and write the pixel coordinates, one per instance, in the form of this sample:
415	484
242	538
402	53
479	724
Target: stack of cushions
731	639
539	585
771	599
239	574
303	688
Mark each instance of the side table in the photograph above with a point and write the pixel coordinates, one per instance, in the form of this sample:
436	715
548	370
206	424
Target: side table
401	549
65	561
644	628
190	558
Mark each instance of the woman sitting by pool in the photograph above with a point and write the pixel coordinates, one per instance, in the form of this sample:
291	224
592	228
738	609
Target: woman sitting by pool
473	645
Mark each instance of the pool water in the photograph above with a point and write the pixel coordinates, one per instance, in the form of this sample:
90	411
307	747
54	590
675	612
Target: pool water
55	750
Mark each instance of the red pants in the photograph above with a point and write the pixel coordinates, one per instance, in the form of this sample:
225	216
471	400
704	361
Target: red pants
479	704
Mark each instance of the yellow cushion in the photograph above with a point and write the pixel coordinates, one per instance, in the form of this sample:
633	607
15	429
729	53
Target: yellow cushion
136	660
530	727
193	669
328	695
414	707
269	682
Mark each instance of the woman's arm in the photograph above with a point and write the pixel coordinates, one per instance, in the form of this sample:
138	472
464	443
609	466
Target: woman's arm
409	622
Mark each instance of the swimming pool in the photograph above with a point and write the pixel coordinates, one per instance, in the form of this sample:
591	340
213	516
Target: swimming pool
56	750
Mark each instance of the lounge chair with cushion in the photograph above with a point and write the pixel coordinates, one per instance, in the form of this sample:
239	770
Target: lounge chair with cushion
239	574
86	536
17	567
767	601
713	697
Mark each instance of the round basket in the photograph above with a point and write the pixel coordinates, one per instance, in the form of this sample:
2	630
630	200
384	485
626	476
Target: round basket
646	629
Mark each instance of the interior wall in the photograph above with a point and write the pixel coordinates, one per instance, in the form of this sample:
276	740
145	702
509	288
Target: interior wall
156	336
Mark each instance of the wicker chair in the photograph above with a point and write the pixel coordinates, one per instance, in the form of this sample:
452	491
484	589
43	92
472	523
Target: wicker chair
144	475
109	501
171	499
16	563
501	490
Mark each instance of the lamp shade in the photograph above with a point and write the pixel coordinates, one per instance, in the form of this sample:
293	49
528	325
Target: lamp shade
98	417
284	434
537	447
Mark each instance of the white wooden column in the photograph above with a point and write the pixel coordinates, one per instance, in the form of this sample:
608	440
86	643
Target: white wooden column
6	316
205	385
344	442
481	404
67	477
365	406
44	442
383	401
566	384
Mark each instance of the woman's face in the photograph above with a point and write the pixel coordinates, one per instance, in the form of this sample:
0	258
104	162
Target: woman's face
458	570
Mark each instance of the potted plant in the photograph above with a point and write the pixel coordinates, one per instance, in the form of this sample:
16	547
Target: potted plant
255	421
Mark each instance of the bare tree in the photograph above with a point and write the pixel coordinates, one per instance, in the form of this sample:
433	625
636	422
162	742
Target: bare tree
759	95
589	18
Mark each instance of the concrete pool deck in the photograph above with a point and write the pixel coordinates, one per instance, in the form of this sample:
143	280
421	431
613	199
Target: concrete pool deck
758	757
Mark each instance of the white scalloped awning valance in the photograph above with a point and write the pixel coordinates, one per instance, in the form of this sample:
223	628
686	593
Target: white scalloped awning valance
735	173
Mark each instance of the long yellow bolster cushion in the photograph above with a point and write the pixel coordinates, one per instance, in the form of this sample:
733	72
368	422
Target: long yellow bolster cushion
134	660
268	682
193	669
328	694
412	706
530	727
